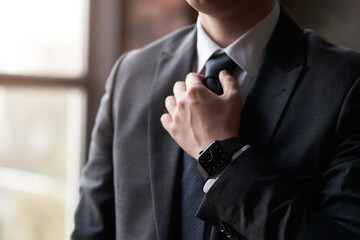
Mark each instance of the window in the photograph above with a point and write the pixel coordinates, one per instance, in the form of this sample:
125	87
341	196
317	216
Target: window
47	49
43	37
55	57
41	135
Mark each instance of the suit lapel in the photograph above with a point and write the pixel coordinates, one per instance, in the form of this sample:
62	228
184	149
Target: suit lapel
276	80
175	63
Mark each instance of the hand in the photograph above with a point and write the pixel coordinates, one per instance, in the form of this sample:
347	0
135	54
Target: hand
196	116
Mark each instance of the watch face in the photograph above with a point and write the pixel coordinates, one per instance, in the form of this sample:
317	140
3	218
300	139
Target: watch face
214	158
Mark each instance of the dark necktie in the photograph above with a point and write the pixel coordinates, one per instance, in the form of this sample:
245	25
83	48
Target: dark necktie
192	182
213	67
192	194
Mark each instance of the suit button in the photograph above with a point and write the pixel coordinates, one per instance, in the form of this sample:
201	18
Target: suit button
222	227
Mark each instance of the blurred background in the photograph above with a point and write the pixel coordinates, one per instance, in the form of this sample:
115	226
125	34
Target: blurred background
55	56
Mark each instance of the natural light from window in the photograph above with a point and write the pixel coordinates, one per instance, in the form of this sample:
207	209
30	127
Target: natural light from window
42	125
43	37
41	144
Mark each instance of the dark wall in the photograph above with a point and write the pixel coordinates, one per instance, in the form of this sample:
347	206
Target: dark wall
337	20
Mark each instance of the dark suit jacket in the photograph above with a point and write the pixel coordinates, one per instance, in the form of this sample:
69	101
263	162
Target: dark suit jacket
299	180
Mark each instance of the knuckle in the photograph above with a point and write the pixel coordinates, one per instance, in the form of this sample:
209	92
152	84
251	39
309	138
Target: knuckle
178	84
175	120
235	94
194	92
229	78
190	75
173	129
181	104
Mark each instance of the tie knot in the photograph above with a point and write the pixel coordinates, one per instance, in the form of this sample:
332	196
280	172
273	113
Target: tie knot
217	63
213	67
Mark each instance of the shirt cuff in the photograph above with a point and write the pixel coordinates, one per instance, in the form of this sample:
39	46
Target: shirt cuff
211	181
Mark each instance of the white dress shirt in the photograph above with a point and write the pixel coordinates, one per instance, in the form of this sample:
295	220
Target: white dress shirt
246	52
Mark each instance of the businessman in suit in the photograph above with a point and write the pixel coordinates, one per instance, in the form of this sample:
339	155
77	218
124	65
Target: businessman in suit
286	117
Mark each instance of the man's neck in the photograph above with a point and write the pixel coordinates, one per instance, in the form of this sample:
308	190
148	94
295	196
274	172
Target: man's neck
224	30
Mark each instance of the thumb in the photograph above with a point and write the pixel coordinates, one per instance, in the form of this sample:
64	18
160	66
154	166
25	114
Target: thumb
228	82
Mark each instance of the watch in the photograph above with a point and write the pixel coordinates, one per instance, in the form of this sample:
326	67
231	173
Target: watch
217	156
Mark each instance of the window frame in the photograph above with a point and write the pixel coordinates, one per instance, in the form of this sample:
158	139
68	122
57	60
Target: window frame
104	46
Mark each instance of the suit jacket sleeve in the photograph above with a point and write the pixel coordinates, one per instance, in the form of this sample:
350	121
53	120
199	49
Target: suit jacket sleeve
95	214
254	200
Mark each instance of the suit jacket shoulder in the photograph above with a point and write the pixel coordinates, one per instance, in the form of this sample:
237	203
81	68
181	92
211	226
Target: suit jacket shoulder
334	58
148	55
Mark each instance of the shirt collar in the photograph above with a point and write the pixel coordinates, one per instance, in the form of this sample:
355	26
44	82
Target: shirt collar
246	51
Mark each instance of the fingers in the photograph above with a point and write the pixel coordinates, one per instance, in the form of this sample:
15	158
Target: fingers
175	103
228	83
179	89
171	101
170	104
195	87
166	121
194	80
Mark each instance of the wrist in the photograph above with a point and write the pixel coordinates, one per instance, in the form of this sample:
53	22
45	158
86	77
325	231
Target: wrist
220	138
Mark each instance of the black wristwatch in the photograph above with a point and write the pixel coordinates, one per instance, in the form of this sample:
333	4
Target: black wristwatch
217	156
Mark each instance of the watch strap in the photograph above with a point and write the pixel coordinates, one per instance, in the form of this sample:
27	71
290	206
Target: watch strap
232	144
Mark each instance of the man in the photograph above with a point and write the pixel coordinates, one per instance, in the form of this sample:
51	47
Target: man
286	120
